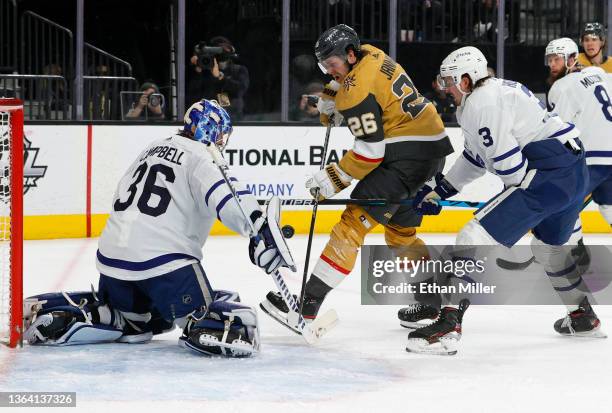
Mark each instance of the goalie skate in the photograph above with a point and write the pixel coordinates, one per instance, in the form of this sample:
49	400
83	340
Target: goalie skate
229	343
275	307
442	336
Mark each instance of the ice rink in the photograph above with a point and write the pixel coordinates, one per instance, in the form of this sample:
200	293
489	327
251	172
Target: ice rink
510	359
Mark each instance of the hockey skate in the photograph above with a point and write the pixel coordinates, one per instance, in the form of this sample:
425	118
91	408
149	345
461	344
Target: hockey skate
417	315
582	322
440	337
275	307
229	342
582	257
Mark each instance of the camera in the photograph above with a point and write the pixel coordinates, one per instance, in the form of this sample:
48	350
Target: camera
206	54
154	100
312	100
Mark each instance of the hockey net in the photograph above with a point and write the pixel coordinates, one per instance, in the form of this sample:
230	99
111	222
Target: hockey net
11	220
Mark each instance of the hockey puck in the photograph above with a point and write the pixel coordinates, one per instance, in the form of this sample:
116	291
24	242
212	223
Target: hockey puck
288	231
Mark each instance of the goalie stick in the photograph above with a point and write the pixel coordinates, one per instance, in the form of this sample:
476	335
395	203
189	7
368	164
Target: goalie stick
518	265
310	332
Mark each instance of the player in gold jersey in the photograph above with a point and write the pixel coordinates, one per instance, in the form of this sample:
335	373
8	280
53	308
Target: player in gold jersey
593	41
400	143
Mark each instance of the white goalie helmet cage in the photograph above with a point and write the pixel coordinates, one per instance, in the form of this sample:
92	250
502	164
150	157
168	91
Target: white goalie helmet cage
563	46
464	61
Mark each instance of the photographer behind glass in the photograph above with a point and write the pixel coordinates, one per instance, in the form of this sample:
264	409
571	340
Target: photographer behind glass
149	105
217	76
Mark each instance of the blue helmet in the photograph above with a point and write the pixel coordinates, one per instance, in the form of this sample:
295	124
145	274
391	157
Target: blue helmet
208	122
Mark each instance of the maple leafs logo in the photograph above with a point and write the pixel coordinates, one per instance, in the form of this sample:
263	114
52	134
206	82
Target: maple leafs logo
348	82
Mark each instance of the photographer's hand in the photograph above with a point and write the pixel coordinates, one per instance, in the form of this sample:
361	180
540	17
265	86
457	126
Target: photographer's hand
137	109
215	70
194	62
143	101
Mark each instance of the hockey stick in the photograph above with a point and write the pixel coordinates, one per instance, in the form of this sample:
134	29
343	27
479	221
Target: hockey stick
313	219
519	266
311	332
372	202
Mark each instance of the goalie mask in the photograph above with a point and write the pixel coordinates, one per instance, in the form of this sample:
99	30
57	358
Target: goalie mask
207	122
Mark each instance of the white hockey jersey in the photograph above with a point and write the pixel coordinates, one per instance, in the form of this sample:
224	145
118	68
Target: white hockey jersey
498	120
585	99
163	210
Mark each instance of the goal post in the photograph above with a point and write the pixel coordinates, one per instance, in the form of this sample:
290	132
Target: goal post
11	221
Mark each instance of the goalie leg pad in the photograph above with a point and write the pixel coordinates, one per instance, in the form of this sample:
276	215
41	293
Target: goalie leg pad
68	325
226	329
44	302
80	318
226	295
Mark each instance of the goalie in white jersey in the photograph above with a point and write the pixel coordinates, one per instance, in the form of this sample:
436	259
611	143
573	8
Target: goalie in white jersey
540	160
583	97
150	250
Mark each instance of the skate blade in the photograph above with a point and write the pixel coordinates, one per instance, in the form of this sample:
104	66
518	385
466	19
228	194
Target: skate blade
598	333
413	325
444	347
225	350
280	317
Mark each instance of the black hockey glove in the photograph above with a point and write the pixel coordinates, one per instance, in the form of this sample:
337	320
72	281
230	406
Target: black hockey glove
425	202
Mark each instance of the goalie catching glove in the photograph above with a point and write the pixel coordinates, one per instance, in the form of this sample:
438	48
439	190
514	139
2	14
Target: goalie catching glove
425	202
268	249
329	180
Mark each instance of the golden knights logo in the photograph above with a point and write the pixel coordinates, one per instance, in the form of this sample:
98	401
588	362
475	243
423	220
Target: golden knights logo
31	171
348	82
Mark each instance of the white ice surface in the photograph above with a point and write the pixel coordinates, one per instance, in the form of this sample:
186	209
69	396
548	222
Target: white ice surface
510	359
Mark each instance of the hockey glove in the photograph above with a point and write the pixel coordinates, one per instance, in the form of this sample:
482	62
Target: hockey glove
426	200
327	109
327	105
330	180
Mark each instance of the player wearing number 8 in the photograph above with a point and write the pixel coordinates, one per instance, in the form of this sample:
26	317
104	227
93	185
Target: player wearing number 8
583	96
400	143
